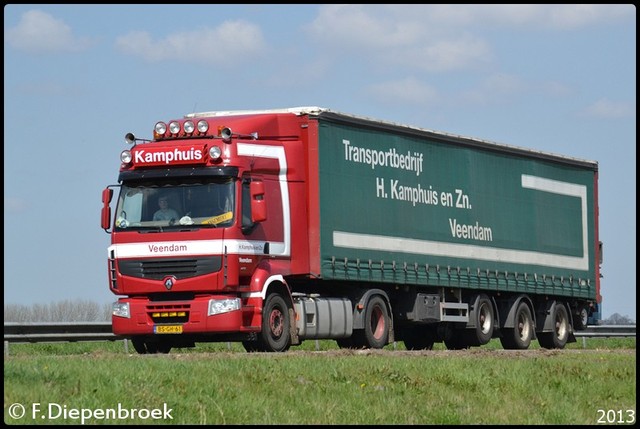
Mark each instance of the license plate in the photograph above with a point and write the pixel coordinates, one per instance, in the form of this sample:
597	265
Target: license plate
167	329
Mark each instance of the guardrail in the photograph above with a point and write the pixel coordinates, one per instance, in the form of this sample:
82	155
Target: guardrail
101	331
607	331
57	332
54	331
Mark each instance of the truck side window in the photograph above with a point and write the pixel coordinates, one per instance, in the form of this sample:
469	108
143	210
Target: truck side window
247	224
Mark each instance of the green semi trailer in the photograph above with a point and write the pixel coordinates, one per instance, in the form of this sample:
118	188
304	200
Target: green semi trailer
468	239
350	228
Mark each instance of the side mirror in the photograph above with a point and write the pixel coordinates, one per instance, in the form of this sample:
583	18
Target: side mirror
105	215
258	202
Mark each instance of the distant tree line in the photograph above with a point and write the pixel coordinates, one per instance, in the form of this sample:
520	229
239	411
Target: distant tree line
63	311
89	311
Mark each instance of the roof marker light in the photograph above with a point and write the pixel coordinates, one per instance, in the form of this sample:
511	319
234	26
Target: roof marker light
160	130
203	127
174	127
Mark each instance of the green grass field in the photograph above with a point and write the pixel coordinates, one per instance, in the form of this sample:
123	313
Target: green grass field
100	383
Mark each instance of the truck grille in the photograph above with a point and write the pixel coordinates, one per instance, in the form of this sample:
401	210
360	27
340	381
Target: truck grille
168	313
181	268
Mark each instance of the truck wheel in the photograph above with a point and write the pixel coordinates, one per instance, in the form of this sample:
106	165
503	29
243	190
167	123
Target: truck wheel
275	324
484	321
519	337
346	343
139	346
252	346
376	324
458	340
145	347
581	318
556	339
164	347
419	338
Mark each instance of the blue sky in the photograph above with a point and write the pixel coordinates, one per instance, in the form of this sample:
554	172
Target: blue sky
555	78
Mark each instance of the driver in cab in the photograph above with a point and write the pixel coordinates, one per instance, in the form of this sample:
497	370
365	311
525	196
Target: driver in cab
165	212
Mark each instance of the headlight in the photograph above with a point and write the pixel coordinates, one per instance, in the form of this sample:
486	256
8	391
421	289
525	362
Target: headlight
121	309
215	152
219	306
125	156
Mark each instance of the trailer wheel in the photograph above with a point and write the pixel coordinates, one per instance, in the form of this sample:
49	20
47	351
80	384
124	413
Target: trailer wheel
483	331
556	339
419	338
581	318
376	323
519	337
275	324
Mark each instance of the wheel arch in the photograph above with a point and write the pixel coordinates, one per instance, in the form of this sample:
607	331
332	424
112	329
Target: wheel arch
545	314
275	283
508	307
547	317
473	307
360	303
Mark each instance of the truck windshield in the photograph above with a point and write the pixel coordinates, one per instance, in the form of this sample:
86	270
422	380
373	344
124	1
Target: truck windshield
179	204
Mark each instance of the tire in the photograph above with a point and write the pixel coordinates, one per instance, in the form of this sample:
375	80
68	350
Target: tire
275	335
139	345
558	338
484	322
252	346
376	323
149	347
346	343
457	340
164	347
581	318
419	338
519	337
